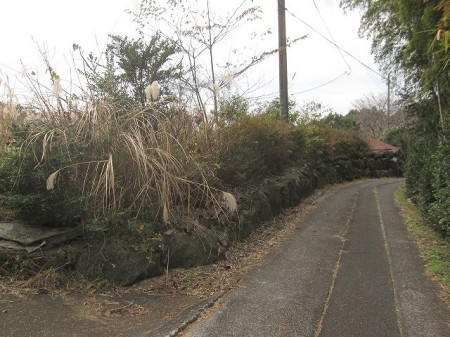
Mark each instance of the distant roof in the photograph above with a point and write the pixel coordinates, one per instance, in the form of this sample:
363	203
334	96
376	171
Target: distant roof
378	146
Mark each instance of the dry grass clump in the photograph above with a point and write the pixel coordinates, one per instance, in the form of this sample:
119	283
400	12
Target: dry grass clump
97	160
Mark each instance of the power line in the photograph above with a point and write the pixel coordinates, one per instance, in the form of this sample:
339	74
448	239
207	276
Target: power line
331	35
335	44
374	78
322	85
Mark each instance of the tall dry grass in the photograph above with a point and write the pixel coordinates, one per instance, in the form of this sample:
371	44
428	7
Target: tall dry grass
106	159
10	113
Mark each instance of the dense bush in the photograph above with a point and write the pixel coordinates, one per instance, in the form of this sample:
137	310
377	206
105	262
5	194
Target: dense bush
23	192
257	146
398	136
261	146
325	143
439	205
427	166
104	165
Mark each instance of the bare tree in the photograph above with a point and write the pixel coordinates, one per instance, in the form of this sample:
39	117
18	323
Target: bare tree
373	116
200	32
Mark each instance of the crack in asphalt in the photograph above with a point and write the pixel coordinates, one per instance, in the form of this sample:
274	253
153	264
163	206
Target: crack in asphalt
337	266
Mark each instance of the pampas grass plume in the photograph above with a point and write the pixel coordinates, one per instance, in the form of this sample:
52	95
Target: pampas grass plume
152	91
57	88
230	201
51	180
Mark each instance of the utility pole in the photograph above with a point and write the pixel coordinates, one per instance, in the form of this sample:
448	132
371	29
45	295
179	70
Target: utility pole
282	55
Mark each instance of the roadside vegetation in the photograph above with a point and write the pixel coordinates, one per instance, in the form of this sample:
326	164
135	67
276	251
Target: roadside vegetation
434	249
410	41
102	165
152	131
156	128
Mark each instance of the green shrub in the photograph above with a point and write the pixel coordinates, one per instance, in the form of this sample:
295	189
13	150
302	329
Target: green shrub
23	192
427	166
257	146
325	143
439	206
233	108
262	146
398	136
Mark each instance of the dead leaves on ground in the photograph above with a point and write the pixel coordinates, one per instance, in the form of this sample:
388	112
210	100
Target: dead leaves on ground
210	280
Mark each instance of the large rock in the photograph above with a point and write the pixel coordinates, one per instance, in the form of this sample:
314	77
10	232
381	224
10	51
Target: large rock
118	265
199	247
127	267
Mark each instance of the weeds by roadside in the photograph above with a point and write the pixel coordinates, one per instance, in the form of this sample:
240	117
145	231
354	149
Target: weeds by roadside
94	160
434	249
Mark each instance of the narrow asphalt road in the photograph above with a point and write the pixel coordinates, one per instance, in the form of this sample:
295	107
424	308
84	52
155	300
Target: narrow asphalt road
348	270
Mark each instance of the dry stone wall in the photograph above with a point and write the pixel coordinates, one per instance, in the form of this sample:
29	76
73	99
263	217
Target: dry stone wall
205	241
280	193
206	244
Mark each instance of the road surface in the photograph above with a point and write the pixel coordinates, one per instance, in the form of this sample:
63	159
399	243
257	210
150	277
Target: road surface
348	270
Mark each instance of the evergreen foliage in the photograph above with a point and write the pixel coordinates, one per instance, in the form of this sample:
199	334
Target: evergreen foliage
411	39
129	66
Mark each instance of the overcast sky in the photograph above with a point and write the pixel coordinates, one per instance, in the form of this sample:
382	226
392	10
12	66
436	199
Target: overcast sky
312	62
